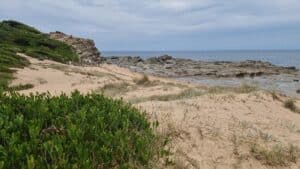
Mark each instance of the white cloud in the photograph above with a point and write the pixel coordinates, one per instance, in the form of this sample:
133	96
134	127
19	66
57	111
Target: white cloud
156	16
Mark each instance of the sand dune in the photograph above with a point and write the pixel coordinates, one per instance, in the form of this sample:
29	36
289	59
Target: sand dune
208	127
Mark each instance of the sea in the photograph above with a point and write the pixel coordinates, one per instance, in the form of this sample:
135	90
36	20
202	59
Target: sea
277	57
285	84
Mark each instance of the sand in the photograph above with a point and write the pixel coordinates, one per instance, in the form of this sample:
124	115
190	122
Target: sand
208	127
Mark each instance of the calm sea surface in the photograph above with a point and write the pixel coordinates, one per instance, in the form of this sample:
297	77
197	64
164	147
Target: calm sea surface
277	57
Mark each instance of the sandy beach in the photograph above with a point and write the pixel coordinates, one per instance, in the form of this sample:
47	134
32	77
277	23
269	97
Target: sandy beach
209	127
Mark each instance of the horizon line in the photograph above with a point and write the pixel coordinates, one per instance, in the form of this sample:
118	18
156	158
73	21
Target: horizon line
209	50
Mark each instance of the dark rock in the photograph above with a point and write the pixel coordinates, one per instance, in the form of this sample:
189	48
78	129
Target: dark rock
177	67
298	91
165	58
240	75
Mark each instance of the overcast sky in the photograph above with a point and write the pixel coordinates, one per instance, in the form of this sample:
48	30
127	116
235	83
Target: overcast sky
166	24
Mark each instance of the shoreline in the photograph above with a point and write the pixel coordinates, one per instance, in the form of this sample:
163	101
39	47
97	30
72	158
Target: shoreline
168	66
216	73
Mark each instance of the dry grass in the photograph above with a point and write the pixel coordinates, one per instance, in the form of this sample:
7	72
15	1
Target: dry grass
274	95
276	156
112	89
245	88
188	93
142	81
145	81
217	89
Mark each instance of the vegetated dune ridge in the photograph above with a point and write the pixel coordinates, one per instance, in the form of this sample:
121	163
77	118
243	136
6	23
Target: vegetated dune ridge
209	127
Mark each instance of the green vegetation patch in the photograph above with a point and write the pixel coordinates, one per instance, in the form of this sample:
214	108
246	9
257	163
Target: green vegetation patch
17	37
8	60
22	38
77	131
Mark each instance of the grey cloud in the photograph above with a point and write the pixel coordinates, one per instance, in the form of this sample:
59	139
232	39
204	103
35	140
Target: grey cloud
154	17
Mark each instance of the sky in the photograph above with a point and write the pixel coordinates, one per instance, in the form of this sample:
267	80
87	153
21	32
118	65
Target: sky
146	25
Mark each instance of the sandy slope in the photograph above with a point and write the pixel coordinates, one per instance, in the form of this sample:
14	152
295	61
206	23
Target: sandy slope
208	128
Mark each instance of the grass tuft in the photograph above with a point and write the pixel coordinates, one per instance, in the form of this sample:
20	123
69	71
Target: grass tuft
245	88
143	81
277	156
112	89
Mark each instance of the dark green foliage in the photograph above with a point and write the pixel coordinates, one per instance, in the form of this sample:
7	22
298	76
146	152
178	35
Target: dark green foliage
8	60
77	131
17	37
29	40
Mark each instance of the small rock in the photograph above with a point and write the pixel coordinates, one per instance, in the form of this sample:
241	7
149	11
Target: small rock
298	91
165	57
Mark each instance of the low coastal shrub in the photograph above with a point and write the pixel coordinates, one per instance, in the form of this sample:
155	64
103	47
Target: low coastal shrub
78	131
290	104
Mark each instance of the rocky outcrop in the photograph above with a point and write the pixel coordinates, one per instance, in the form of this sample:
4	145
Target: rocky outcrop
176	67
85	48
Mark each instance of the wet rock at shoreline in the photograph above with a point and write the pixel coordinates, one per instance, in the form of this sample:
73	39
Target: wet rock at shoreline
169	66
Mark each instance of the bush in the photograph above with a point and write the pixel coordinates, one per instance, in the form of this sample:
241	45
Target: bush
290	104
78	131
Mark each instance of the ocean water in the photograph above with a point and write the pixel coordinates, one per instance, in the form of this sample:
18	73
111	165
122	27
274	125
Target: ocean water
277	57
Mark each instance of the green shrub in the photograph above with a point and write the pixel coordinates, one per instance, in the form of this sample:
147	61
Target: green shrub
78	131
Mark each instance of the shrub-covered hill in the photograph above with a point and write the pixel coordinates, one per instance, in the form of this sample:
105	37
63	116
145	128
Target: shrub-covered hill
77	131
17	37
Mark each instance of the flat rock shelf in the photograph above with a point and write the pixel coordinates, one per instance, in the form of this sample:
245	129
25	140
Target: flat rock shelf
169	66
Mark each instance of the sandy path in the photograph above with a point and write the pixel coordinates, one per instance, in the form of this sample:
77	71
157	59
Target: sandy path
207	129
